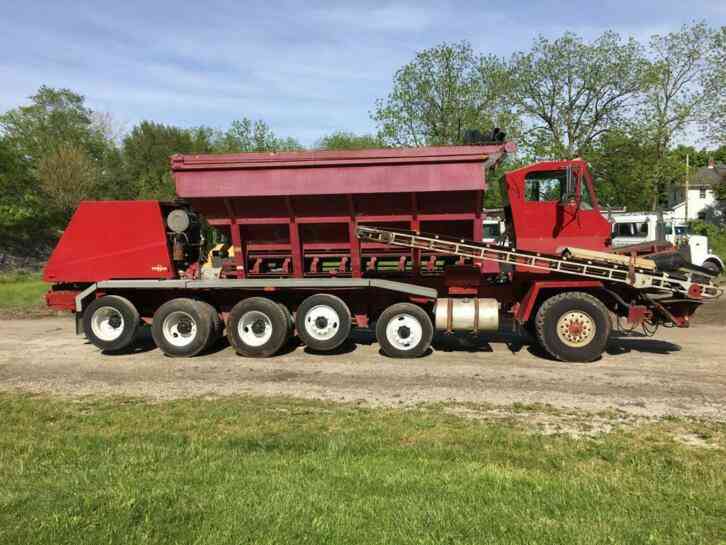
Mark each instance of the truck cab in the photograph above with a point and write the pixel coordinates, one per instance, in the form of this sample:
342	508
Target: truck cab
552	205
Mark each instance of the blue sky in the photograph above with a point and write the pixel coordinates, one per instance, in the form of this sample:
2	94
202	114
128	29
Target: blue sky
307	68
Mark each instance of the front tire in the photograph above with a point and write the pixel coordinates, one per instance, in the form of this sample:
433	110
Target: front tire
404	330
111	322
257	327
573	327
183	327
323	322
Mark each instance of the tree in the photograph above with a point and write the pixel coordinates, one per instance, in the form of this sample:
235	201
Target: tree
67	176
621	164
341	140
443	92
54	117
673	94
714	82
570	92
54	120
245	135
146	156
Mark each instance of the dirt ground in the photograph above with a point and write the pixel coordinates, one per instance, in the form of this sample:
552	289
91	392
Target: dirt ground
679	372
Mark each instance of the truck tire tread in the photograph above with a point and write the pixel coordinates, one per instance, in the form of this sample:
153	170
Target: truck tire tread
553	308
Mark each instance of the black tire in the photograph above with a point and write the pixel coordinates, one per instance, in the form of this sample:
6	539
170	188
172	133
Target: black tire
712	267
266	315
395	347
290	320
217	324
581	311
111	322
323	322
182	327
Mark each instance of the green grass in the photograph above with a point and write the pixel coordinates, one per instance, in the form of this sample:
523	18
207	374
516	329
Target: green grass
281	471
21	291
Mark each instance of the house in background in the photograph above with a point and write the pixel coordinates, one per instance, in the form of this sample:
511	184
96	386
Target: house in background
702	198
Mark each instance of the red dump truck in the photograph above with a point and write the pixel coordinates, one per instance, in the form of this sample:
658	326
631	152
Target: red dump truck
263	246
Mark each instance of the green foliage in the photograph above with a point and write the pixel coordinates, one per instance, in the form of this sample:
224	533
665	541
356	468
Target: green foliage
245	135
441	93
283	471
342	140
714	107
570	92
33	138
146	157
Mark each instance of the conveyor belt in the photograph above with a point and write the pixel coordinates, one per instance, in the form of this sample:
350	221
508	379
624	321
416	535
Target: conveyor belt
682	284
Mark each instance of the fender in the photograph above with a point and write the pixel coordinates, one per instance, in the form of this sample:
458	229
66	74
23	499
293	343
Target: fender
526	305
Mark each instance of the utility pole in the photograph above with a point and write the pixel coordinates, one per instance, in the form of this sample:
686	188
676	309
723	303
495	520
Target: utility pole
687	169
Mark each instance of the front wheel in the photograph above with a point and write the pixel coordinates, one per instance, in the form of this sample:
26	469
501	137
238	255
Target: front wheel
111	322
404	330
573	326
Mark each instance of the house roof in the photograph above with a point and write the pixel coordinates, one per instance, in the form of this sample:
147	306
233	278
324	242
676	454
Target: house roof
709	176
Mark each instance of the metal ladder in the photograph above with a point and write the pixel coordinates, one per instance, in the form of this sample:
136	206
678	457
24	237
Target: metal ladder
681	283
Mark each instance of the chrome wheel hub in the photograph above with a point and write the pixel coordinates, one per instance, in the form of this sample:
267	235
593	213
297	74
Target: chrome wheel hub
107	323
404	332
322	322
254	328
179	329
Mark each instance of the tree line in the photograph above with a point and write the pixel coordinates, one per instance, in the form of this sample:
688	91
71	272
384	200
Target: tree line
623	105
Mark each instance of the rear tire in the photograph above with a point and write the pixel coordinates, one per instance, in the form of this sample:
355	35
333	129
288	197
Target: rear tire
404	330
257	327
111	322
183	327
216	321
323	322
573	326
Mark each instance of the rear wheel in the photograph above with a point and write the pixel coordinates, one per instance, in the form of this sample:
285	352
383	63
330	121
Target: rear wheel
111	323
183	327
258	327
573	326
323	322
404	330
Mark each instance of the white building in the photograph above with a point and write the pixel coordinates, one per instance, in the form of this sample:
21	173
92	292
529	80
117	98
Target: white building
702	194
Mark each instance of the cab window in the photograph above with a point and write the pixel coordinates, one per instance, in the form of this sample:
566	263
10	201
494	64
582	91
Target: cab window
586	199
544	186
630	229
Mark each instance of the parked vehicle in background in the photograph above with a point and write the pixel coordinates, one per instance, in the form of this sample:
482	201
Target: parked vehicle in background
494	230
640	227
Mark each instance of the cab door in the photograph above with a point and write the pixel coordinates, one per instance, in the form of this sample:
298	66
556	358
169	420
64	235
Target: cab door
553	206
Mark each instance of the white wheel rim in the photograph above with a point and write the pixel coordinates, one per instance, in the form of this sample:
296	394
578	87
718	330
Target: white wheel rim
179	329
254	328
576	328
107	323
322	322
404	331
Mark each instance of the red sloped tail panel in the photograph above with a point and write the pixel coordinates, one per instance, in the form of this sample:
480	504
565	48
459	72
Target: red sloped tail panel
112	239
